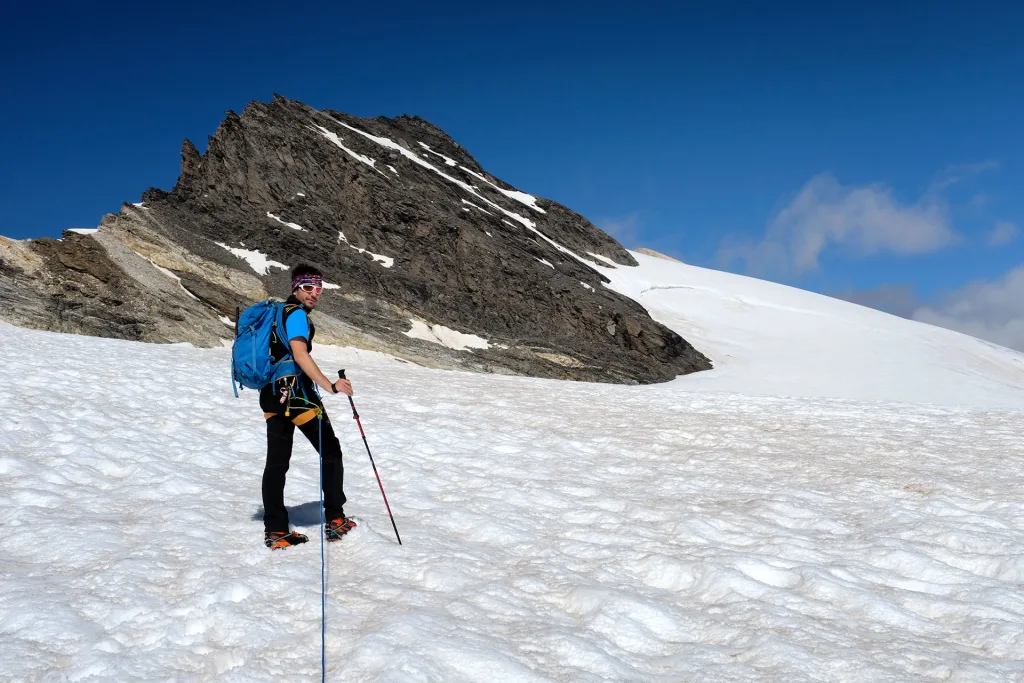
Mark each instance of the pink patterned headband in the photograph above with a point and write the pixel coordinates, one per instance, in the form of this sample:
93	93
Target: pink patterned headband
314	280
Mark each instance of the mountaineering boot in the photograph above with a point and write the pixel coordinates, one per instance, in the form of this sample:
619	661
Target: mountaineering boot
336	528
275	540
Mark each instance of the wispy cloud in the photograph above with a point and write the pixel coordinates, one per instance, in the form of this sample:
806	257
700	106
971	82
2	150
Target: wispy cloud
625	229
958	173
863	220
988	310
978	200
1003	233
898	300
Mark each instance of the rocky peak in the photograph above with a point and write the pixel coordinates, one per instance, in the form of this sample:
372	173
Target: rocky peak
419	239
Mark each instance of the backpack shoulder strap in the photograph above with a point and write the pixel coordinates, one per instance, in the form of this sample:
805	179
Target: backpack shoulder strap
279	347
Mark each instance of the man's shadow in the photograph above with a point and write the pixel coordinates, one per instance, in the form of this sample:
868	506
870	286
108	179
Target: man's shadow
307	514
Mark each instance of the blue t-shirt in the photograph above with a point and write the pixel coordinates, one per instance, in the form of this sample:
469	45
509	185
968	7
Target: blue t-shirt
297	326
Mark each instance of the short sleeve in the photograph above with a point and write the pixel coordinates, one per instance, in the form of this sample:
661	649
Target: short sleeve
297	325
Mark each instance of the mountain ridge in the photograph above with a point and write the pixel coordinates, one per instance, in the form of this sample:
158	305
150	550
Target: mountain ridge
401	218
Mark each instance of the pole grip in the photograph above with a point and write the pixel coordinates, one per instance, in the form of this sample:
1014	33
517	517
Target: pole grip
355	413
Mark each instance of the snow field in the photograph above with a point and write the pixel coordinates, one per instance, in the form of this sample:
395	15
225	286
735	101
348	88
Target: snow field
772	340
553	531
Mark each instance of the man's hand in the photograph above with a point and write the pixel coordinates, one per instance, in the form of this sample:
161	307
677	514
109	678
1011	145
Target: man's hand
300	352
344	387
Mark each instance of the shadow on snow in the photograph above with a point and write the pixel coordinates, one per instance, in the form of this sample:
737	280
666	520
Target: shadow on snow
307	514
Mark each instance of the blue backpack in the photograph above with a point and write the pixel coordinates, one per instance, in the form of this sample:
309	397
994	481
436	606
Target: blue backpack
252	365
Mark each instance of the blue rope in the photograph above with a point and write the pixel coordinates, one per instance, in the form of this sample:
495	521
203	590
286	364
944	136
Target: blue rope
323	580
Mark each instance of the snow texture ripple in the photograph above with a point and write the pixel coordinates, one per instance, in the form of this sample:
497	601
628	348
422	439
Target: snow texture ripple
554	531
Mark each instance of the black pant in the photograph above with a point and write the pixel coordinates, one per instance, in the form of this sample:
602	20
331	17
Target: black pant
280	430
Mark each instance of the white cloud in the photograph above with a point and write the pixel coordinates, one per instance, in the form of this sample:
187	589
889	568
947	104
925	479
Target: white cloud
863	220
1003	233
993	311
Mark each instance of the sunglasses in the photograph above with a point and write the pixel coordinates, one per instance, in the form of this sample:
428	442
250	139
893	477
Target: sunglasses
311	288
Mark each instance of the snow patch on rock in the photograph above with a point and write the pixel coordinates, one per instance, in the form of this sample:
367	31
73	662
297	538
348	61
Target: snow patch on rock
447	160
391	144
479	208
385	261
257	260
521	197
445	336
293	226
333	137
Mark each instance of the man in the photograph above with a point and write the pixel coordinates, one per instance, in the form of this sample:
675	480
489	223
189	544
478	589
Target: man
292	401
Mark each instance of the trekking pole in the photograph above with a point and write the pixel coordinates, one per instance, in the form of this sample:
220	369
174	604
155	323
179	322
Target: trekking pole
355	416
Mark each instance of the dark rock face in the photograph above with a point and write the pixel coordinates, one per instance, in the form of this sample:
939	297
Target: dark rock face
397	214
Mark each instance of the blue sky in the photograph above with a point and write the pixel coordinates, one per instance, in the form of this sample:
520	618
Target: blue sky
870	150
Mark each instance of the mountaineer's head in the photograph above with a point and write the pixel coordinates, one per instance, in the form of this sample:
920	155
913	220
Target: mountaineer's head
307	284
